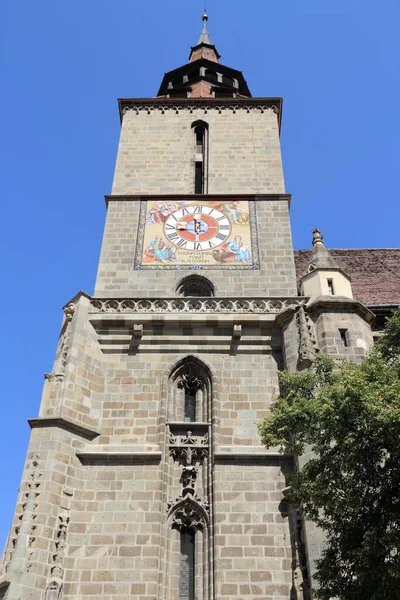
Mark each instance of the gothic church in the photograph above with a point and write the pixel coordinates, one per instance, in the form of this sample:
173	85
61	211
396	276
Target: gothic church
145	476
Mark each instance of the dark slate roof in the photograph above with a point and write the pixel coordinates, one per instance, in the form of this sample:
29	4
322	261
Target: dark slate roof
374	273
204	36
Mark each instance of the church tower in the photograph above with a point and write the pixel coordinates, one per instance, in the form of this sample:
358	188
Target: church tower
145	475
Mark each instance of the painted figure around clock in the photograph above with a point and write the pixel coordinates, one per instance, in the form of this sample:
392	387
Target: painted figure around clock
197	234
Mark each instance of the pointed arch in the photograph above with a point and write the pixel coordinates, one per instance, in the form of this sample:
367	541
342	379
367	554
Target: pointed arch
190	390
189	532
188	513
188	542
54	590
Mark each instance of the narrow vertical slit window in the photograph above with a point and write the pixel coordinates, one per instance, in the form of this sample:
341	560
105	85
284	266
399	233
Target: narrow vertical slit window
344	337
187	566
330	287
198	178
200	132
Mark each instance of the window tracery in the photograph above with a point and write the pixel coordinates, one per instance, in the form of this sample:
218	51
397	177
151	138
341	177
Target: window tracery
189	510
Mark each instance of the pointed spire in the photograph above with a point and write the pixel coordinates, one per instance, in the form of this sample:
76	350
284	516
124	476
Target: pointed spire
320	257
204	36
204	47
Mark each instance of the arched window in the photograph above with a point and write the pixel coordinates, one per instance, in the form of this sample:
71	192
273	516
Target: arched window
195	286
200	129
190	392
188	540
187	565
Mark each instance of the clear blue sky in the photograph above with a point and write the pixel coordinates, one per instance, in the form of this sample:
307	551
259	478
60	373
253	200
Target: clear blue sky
64	64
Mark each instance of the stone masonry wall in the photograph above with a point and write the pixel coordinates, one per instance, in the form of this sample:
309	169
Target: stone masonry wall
253	537
156	152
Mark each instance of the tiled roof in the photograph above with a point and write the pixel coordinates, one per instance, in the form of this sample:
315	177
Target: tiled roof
374	273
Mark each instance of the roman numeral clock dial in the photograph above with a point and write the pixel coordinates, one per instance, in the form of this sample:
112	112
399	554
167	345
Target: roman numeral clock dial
197	227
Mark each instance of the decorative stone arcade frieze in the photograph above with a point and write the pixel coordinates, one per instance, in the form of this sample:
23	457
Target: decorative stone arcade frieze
194	305
191	105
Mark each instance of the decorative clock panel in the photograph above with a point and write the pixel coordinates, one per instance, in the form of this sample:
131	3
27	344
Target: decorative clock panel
197	234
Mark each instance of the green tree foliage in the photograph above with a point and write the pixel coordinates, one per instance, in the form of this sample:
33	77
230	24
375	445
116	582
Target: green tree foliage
348	415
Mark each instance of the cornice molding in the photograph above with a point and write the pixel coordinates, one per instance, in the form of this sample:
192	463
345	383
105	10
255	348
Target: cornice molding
120	458
332	303
199	197
251	457
148	105
66	424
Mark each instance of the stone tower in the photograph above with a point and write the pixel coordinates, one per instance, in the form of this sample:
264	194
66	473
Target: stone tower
145	476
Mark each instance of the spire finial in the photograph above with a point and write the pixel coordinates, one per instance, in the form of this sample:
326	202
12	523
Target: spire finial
317	237
204	37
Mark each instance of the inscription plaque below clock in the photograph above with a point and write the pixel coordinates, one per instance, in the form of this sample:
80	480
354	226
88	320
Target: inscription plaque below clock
197	234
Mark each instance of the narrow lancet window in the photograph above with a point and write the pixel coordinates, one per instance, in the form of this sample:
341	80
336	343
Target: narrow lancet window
200	129
187	566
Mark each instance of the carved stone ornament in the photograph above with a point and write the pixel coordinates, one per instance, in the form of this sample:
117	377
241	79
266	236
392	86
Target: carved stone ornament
190	382
205	107
188	511
188	479
188	516
54	590
317	237
307	350
54	377
193	305
188	449
69	311
24	536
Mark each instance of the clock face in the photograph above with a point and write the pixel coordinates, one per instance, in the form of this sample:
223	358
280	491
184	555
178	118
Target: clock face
197	227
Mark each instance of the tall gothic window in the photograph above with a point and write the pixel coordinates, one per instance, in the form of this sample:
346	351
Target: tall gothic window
200	129
187	566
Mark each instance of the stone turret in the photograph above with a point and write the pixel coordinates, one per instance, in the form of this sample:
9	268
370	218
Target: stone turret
324	277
